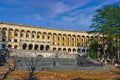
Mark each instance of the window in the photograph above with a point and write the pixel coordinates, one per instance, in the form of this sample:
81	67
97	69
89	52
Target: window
3	40
15	40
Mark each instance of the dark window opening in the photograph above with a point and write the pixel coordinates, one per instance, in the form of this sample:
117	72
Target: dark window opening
3	39
41	47
15	40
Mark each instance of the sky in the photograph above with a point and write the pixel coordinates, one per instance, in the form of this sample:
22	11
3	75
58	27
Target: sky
63	14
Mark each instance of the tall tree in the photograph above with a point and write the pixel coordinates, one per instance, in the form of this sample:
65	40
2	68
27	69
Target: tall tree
106	22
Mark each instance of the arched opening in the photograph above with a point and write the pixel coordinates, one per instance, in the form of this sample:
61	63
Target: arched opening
3	46
38	35
47	47
4	32
78	50
16	32
87	50
9	46
41	47
39	56
59	49
44	35
24	46
54	49
3	39
54	38
49	36
64	49
69	39
83	50
22	32
28	34
30	47
36	47
10	33
15	46
69	50
74	50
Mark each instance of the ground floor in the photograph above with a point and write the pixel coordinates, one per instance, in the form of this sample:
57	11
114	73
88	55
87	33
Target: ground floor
43	47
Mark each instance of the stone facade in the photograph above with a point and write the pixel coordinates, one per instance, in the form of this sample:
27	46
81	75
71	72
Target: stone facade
27	37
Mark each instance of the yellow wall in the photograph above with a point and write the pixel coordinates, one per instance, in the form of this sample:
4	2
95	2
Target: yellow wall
68	39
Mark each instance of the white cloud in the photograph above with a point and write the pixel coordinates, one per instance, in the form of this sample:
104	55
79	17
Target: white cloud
38	17
62	7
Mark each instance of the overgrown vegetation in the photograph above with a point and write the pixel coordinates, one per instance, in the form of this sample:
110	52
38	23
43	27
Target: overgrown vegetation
106	22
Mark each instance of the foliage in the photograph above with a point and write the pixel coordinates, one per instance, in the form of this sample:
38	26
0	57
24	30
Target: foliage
92	54
106	22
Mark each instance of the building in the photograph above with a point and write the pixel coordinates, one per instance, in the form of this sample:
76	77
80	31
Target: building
27	37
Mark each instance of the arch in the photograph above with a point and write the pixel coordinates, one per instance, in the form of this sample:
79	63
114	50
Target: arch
22	33
4	28
42	47
83	50
69	39
4	31
3	46
74	50
79	50
47	47
54	49
54	38
16	32
3	39
30	46
69	50
49	36
36	47
28	31
64	49
24	46
27	34
59	49
15	46
9	46
87	50
39	56
59	38
33	34
38	34
10	29
44	35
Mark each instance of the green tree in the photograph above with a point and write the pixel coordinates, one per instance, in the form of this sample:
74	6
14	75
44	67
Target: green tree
106	22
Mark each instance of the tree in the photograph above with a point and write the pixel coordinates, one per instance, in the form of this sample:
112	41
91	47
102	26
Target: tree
106	22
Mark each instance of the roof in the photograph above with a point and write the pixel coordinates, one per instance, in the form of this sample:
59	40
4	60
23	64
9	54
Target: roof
25	25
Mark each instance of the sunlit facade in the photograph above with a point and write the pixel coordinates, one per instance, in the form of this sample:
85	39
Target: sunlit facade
27	37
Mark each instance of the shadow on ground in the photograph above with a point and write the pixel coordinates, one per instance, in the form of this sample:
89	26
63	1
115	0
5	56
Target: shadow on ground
80	79
118	73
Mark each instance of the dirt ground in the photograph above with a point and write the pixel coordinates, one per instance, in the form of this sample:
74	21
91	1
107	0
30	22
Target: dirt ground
112	74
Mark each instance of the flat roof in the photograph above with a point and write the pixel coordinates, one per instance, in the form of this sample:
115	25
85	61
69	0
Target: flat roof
25	25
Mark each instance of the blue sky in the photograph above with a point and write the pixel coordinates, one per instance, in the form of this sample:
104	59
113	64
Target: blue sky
65	14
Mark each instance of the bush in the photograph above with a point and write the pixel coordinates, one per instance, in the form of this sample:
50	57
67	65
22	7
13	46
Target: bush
92	54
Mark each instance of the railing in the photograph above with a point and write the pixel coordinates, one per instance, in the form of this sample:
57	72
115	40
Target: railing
35	41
